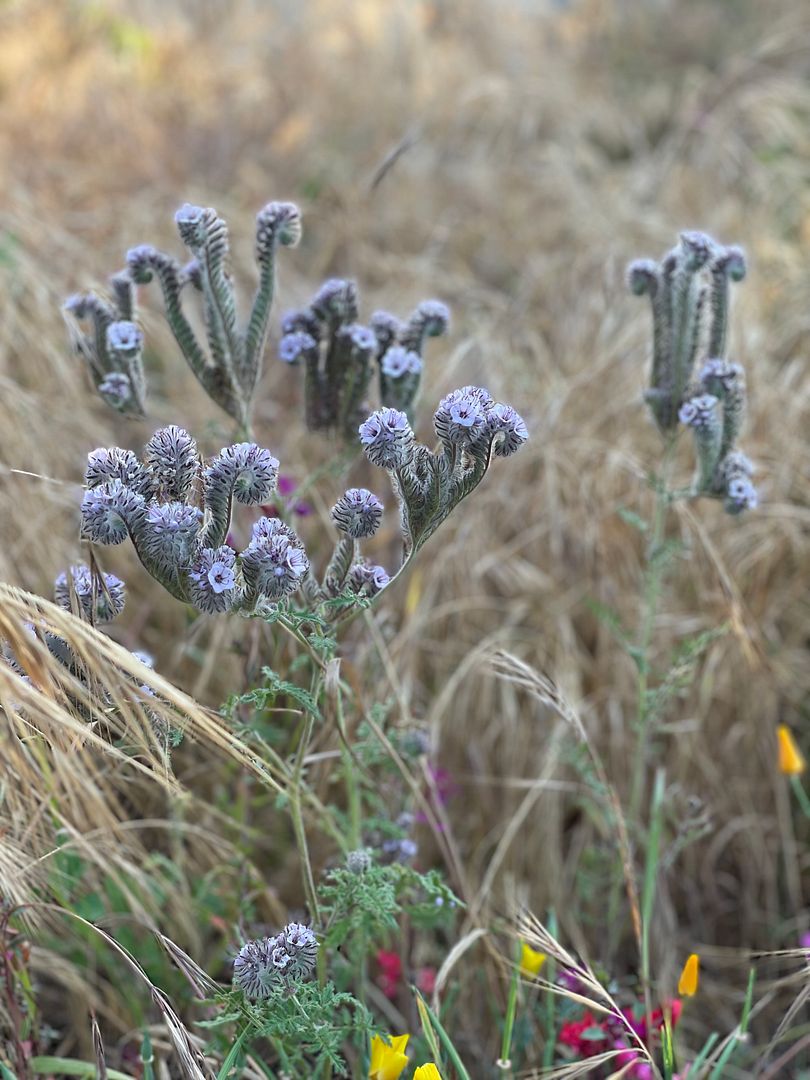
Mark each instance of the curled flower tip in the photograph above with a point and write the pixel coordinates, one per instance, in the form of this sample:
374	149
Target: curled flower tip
387	438
434	316
116	389
192	273
113	463
503	420
366	579
140	263
124	337
101	598
263	965
718	376
336	301
300	319
699	412
688	982
172	459
212	580
462	415
301	947
109	511
698	248
399	361
791	759
191	224
273	566
293	346
266	528
642	277
359	862
358	513
76	305
277	223
254	471
740	495
386	328
732	260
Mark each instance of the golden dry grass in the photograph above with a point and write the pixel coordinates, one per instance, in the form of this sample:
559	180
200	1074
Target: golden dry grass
540	151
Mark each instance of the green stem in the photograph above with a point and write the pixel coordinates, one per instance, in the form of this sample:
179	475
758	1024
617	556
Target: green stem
353	794
801	796
298	822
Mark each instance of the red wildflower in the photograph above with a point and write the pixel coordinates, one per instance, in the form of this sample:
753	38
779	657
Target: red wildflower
390	967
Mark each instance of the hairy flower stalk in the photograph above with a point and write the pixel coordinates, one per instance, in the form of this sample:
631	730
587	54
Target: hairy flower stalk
182	545
689	292
340	356
113	348
230	367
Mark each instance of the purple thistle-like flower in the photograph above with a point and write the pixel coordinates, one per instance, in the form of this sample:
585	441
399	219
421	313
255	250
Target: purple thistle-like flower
301	319
699	412
367	579
212	580
399	361
273	566
190	221
277	223
402	850
101	598
172	459
266	528
252	471
504	420
642	277
140	261
114	463
293	345
387	438
462	415
124	337
336	301
719	376
268	963
109	511
116	389
170	533
358	513
698	248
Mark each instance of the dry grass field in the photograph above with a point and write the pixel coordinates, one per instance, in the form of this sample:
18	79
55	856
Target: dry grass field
509	158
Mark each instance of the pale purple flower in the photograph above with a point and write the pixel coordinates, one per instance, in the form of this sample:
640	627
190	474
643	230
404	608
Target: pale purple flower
504	420
461	417
399	361
269	963
293	345
212	580
124	337
367	579
113	463
251	470
277	223
109	511
116	389
101	597
273	566
387	438
172	459
362	338
740	495
699	412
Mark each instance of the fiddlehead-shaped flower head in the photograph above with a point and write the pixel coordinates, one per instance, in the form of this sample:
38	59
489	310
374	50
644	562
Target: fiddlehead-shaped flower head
461	417
718	376
140	262
212	580
699	412
301	319
358	513
504	420
113	463
367	579
172	459
430	319
250	471
116	389
277	223
399	361
698	247
268	963
101	598
110	512
300	945
701	415
731	260
740	495
168	537
642	277
192	223
295	345
387	438
266	528
124	338
273	566
386	327
336	301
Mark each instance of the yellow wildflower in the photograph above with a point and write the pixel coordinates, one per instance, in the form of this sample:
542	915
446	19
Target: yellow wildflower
791	761
388	1062
530	960
688	982
427	1072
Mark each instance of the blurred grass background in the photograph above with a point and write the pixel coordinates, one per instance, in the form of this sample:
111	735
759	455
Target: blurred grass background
509	158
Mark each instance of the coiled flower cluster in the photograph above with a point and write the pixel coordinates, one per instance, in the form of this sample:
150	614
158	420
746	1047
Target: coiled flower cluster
339	355
183	546
271	963
98	598
689	291
229	363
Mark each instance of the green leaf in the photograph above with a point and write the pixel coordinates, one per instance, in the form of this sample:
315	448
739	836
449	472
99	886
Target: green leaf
72	1067
631	518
